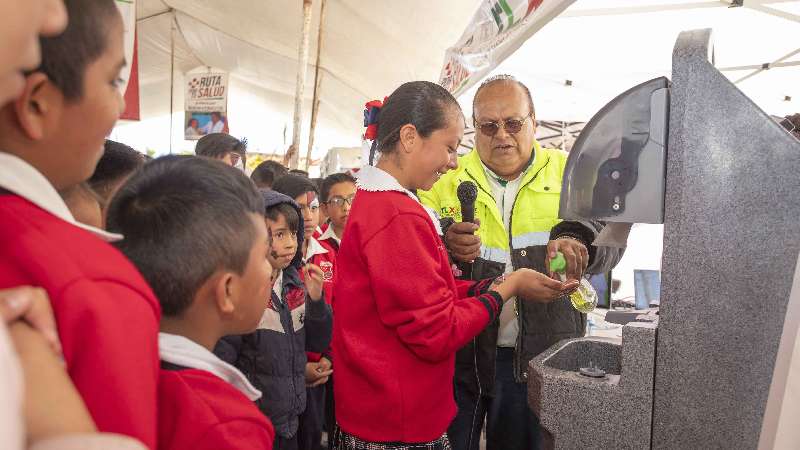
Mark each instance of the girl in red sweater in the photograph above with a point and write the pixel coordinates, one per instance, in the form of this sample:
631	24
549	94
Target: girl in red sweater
400	313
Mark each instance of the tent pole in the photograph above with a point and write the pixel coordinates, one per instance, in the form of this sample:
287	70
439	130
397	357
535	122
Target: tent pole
171	77
302	63
317	84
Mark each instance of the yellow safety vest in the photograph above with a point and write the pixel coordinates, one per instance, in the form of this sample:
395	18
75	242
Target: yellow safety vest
534	211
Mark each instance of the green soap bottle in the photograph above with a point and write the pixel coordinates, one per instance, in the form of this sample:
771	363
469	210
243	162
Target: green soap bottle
584	299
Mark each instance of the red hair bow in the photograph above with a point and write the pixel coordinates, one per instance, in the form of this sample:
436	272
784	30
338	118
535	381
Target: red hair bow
371	113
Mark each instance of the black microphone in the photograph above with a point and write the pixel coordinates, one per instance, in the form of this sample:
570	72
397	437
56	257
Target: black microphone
467	192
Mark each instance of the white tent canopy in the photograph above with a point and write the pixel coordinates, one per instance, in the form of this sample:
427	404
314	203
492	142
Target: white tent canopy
369	48
604	47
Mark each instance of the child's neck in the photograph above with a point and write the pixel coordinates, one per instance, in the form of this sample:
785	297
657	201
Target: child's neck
390	164
338	231
206	336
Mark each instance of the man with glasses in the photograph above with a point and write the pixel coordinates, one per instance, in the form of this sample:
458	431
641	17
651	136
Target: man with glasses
519	184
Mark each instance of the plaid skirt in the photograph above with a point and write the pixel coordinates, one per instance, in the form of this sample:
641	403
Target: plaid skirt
344	441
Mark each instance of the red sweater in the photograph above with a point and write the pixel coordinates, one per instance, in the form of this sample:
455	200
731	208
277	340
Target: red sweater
400	317
199	411
107	316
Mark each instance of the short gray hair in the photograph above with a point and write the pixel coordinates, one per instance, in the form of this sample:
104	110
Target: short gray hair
503	78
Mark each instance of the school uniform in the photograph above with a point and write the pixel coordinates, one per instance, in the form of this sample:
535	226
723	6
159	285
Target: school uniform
312	421
330	238
205	403
106	314
405	315
274	356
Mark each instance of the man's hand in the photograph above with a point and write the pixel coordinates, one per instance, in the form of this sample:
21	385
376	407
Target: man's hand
318	373
313	280
462	242
31	305
575	253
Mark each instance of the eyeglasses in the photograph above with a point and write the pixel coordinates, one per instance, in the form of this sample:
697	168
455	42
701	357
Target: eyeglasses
340	201
512	126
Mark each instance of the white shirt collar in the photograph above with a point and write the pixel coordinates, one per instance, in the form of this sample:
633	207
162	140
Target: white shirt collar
373	179
330	234
21	178
182	351
314	248
277	287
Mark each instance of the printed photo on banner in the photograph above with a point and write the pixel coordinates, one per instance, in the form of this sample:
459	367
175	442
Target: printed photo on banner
206	104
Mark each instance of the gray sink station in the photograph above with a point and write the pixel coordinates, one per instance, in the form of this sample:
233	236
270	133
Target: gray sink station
712	371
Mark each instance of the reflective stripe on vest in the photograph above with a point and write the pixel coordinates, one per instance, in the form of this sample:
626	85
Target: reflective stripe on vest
499	255
530	239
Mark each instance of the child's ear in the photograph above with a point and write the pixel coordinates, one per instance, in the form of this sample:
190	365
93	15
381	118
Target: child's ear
225	291
35	106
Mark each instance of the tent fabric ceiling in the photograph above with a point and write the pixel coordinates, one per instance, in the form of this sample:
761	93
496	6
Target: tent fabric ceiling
369	48
603	47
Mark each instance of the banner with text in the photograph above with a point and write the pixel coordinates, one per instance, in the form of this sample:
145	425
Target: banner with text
206	104
498	28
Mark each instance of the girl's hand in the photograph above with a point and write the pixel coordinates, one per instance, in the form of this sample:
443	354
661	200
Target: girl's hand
538	287
31	305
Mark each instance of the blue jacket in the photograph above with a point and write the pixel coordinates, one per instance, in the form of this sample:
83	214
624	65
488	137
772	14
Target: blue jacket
274	356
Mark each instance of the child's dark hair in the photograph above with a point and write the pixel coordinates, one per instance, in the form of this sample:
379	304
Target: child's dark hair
217	145
183	219
330	181
294	186
300	172
288	212
65	57
265	175
118	161
420	103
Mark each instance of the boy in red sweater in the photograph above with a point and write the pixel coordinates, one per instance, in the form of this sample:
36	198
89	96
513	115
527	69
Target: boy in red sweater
51	137
337	194
195	229
400	313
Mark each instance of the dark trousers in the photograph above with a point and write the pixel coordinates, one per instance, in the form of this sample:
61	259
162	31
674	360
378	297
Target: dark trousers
282	443
510	423
330	412
309	431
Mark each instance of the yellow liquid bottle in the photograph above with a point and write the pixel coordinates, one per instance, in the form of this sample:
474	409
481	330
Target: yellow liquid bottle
583	299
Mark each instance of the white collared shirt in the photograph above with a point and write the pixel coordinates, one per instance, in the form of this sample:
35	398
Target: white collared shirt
504	195
212	127
21	178
314	249
330	234
184	352
373	179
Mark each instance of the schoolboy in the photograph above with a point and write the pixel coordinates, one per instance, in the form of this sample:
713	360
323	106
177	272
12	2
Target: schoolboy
337	194
296	320
207	263
51	138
